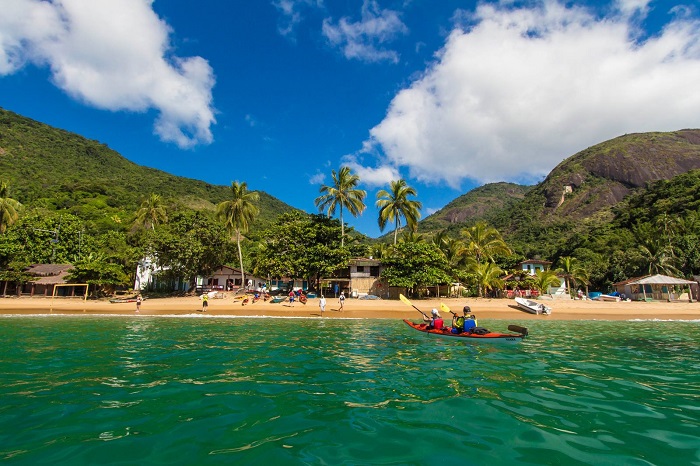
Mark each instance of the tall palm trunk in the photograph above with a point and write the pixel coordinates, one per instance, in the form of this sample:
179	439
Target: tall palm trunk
240	256
342	227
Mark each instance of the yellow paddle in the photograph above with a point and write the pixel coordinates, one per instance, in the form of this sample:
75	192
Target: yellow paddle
406	301
445	308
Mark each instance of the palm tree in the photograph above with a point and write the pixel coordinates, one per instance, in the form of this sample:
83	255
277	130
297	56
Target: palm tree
544	279
8	208
655	250
380	250
487	276
483	242
152	212
660	256
395	204
343	194
410	236
238	213
572	271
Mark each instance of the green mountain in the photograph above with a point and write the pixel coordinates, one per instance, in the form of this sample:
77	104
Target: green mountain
57	170
482	203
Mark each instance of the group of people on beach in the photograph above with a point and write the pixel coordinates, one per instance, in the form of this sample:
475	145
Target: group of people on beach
466	323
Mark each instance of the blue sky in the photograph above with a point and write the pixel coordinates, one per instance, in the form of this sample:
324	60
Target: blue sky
446	94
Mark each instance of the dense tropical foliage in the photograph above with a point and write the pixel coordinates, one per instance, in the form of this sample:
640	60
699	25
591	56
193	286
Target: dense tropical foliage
76	201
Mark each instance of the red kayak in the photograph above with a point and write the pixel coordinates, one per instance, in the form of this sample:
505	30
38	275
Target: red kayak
491	337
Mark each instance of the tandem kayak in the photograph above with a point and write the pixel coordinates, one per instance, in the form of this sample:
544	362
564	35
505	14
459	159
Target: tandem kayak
491	337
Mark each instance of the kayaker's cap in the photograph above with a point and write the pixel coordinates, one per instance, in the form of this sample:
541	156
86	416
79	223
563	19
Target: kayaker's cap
467	310
435	312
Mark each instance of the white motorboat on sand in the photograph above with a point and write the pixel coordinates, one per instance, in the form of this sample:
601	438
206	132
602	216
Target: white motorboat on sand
533	307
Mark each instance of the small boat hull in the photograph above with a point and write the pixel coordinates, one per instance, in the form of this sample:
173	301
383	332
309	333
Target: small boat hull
532	307
607	297
492	337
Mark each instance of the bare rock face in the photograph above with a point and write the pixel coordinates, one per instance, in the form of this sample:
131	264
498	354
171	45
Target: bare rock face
602	175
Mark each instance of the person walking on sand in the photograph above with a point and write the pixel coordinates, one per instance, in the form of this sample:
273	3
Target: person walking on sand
138	303
292	295
341	299
322	304
205	302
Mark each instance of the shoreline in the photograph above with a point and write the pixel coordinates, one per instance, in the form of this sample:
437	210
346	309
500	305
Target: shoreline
483	308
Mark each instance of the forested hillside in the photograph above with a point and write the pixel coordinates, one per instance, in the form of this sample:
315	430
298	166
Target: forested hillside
60	171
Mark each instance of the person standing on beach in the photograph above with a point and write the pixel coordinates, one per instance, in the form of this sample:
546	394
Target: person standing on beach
138	303
292	295
205	302
341	299
322	304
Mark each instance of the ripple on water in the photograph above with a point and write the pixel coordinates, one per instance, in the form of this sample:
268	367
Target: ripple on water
305	391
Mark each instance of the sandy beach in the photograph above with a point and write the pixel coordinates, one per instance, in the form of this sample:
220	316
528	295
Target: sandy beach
484	309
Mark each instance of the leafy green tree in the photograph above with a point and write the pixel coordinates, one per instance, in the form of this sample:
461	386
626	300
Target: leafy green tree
41	238
238	213
9	208
299	245
343	194
151	213
190	244
395	203
96	270
415	265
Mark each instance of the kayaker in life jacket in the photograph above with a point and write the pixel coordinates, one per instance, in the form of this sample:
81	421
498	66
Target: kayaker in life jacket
435	321
457	323
469	319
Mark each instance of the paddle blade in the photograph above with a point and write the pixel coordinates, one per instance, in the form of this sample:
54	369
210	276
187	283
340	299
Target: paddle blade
445	308
518	329
405	300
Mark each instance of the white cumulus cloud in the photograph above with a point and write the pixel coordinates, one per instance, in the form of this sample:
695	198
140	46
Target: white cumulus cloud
365	39
521	88
114	55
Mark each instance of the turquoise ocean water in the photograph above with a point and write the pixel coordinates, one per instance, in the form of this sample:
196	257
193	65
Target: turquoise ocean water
158	390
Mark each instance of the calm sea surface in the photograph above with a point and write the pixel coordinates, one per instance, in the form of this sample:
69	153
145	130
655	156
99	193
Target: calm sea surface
157	390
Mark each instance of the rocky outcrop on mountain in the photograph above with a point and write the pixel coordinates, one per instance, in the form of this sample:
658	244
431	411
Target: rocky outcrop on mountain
602	175
580	187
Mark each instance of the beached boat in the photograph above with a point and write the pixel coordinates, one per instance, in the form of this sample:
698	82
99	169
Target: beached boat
607	297
278	299
533	307
491	337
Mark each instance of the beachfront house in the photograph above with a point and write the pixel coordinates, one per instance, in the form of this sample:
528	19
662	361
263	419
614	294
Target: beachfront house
657	288
532	266
152	277
227	278
360	278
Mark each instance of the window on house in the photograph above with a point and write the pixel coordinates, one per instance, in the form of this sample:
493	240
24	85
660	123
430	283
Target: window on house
360	268
374	271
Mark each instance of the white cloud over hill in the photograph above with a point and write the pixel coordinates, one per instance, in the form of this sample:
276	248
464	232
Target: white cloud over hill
515	90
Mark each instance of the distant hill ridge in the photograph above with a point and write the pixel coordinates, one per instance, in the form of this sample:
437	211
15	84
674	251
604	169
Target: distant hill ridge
56	169
584	186
52	167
